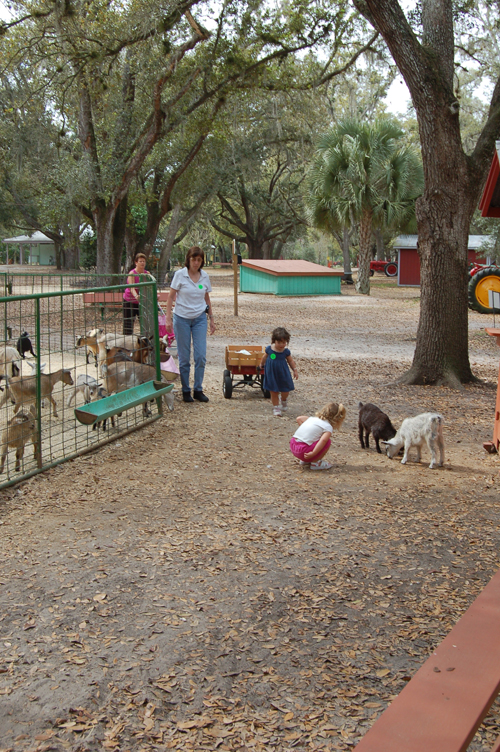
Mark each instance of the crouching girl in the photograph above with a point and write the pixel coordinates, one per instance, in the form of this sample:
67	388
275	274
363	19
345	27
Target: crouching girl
311	441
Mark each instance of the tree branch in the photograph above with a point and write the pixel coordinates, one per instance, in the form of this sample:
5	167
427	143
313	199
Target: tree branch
226	233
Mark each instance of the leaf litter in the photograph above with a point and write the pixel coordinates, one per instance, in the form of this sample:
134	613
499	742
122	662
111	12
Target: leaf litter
192	588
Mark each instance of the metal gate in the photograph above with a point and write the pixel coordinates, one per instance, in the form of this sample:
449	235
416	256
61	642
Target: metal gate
46	357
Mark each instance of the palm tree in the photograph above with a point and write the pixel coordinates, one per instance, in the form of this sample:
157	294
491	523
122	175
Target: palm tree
363	175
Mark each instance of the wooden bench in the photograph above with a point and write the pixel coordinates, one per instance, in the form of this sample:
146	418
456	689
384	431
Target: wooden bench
443	705
105	408
113	301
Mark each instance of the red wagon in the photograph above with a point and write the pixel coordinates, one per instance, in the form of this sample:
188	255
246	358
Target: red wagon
243	369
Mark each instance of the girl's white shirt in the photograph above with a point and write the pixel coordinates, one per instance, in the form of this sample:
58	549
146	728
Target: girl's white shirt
312	430
190	301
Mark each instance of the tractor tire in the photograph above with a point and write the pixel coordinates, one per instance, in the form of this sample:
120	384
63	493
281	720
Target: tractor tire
372	272
227	385
391	269
479	285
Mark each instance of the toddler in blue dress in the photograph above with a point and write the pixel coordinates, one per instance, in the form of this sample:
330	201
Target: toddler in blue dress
277	362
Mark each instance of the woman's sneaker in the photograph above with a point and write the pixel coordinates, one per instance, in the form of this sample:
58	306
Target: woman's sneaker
321	465
277	412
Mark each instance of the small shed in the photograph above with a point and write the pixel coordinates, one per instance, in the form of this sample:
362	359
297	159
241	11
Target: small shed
36	249
409	260
293	277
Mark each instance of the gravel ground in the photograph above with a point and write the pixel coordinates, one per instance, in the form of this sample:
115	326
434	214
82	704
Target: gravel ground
190	587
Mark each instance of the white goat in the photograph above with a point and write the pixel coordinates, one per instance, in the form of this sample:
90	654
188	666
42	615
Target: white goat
10	362
86	385
127	341
33	365
426	427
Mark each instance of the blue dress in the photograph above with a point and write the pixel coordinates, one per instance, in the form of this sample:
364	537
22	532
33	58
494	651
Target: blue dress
277	376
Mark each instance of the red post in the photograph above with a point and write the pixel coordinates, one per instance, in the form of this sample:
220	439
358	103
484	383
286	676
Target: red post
493	446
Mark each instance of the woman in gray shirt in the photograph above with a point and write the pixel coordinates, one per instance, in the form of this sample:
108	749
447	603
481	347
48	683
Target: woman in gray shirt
190	288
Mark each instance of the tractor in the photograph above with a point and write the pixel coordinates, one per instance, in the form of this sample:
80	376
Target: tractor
482	279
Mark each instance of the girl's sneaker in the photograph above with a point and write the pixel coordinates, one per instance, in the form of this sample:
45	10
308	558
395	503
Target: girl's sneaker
321	465
303	462
284	406
277	412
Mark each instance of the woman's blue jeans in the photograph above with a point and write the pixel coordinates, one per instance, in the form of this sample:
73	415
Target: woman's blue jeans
185	330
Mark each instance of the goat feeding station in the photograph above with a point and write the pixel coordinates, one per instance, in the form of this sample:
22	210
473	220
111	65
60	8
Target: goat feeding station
291	277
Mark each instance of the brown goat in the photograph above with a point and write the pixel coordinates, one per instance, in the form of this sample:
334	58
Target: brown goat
20	429
23	390
120	376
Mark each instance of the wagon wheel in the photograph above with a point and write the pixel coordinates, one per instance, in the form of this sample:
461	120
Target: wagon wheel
391	269
265	392
227	385
483	281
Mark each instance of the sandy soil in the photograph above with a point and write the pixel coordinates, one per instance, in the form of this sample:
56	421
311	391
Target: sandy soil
190	587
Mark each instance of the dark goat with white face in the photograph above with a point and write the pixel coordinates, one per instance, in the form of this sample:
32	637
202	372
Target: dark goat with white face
373	420
424	428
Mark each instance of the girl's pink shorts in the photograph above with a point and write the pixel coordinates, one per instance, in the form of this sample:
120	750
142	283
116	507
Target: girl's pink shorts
299	448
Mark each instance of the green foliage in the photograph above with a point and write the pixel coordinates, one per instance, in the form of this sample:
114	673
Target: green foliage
139	217
88	251
361	168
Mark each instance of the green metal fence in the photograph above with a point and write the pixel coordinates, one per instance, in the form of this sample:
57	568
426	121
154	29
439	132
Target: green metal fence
45	391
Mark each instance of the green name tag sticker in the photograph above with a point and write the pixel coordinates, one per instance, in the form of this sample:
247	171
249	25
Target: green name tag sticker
272	356
201	287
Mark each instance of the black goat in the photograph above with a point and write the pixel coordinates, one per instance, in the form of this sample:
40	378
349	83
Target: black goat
372	419
24	345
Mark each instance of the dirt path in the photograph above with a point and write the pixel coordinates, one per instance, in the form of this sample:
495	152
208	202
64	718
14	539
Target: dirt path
190	587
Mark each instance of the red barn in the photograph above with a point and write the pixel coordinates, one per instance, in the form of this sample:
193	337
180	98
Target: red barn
409	261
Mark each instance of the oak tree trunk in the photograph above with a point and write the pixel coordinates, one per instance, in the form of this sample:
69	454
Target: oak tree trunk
441	353
453	184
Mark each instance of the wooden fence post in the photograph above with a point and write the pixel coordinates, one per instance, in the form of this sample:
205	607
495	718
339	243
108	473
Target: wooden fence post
235	278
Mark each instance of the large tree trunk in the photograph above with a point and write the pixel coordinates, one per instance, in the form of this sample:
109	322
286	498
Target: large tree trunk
365	253
255	249
453	183
110	224
441	353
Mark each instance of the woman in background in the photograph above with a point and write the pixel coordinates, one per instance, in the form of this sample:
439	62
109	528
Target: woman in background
131	294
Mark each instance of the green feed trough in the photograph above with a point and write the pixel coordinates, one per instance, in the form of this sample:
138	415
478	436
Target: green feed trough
117	403
293	278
